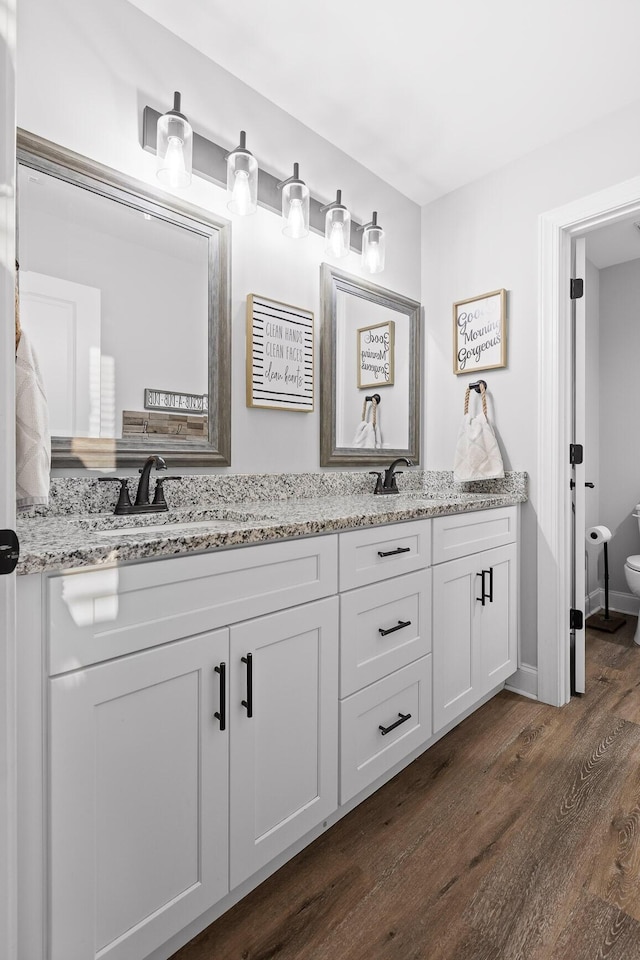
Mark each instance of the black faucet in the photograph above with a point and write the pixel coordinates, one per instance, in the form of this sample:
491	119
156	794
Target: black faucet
142	496
388	483
142	505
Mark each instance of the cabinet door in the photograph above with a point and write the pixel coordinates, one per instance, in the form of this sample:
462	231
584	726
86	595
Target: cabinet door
456	652
499	641
284	760
139	799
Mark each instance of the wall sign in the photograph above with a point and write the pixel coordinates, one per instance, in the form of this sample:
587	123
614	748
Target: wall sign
480	333
279	356
375	355
167	400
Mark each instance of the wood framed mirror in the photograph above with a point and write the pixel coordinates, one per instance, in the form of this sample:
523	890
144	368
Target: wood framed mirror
370	345
125	296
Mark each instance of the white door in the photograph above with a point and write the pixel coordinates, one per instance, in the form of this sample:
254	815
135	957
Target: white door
577	493
284	731
8	827
139	798
62	320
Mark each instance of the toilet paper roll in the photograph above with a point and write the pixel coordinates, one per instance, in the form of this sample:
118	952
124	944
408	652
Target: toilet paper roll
598	535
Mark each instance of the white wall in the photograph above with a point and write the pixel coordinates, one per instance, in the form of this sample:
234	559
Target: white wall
619	420
86	70
483	237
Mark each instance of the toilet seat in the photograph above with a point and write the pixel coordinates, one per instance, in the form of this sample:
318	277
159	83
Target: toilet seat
634	562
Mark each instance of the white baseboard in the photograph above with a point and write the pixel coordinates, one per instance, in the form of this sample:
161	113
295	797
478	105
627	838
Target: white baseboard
524	681
618	600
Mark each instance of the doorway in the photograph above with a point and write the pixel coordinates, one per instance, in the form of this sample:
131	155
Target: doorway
557	230
606	345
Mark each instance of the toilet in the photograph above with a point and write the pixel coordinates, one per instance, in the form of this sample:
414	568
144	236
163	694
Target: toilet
632	573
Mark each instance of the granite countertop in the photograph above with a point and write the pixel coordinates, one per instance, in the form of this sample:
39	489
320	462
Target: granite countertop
64	541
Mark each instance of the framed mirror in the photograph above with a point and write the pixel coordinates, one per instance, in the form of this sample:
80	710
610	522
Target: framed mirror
125	298
370	364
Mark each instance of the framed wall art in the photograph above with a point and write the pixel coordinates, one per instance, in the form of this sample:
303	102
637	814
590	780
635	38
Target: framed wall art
480	333
375	355
280	356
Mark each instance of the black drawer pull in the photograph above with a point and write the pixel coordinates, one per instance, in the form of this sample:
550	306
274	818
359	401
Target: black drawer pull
394	553
221	715
486	596
402	718
490	584
400	625
248	703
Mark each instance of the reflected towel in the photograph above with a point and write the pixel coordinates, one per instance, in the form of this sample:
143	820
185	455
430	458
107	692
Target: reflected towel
365	436
33	443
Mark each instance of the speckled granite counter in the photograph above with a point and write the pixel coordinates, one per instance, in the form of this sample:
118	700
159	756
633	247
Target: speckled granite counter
217	512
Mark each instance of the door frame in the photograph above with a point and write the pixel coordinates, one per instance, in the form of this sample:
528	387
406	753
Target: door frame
556	231
8	723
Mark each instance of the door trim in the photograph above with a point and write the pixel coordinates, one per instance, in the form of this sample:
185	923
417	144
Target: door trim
556	230
8	723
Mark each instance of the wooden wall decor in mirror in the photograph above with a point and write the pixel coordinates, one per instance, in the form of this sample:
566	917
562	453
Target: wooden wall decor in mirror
125	296
369	336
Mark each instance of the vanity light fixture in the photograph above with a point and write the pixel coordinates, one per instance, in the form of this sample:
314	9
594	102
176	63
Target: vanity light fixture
295	205
174	147
242	179
373	246
337	230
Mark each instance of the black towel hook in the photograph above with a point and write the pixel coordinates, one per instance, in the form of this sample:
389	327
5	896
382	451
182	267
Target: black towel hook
376	397
476	386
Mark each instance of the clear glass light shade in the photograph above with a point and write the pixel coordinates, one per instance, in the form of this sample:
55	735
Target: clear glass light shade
373	249
337	231
295	210
174	150
242	183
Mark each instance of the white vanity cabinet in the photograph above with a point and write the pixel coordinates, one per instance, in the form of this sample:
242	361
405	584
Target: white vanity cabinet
138	799
385	650
177	770
475	584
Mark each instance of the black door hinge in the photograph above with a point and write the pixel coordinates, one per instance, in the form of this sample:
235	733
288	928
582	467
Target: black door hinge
9	551
576	619
576	454
576	288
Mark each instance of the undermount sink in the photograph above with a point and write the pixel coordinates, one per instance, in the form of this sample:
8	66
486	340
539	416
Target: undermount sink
159	529
202	517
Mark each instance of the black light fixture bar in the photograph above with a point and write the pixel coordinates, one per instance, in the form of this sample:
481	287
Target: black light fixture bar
210	163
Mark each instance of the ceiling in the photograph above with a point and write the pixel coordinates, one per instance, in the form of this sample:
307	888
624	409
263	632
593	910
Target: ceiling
615	243
428	95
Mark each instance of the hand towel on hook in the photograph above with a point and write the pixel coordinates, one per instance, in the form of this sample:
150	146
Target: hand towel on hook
368	433
33	443
477	454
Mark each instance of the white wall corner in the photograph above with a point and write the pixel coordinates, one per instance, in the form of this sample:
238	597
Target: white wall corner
524	681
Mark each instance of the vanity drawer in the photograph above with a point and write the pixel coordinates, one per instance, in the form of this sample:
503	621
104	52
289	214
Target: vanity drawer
378	553
99	614
464	533
365	751
402	609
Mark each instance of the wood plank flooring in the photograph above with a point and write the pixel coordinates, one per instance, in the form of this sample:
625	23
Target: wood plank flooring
516	837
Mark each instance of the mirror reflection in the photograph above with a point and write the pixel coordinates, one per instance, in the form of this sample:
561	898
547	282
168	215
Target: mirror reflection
124	295
370	372
115	302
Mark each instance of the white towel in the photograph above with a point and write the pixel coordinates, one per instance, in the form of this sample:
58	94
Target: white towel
368	433
33	443
477	455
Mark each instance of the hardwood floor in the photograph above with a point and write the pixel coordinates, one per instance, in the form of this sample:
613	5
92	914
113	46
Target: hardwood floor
516	837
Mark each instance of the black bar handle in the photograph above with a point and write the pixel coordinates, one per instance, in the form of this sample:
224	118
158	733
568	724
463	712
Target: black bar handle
403	717
248	703
481	598
401	624
221	715
490	584
394	553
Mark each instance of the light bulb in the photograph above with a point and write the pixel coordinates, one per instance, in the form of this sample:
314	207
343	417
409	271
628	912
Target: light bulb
174	172
336	240
241	201
295	221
